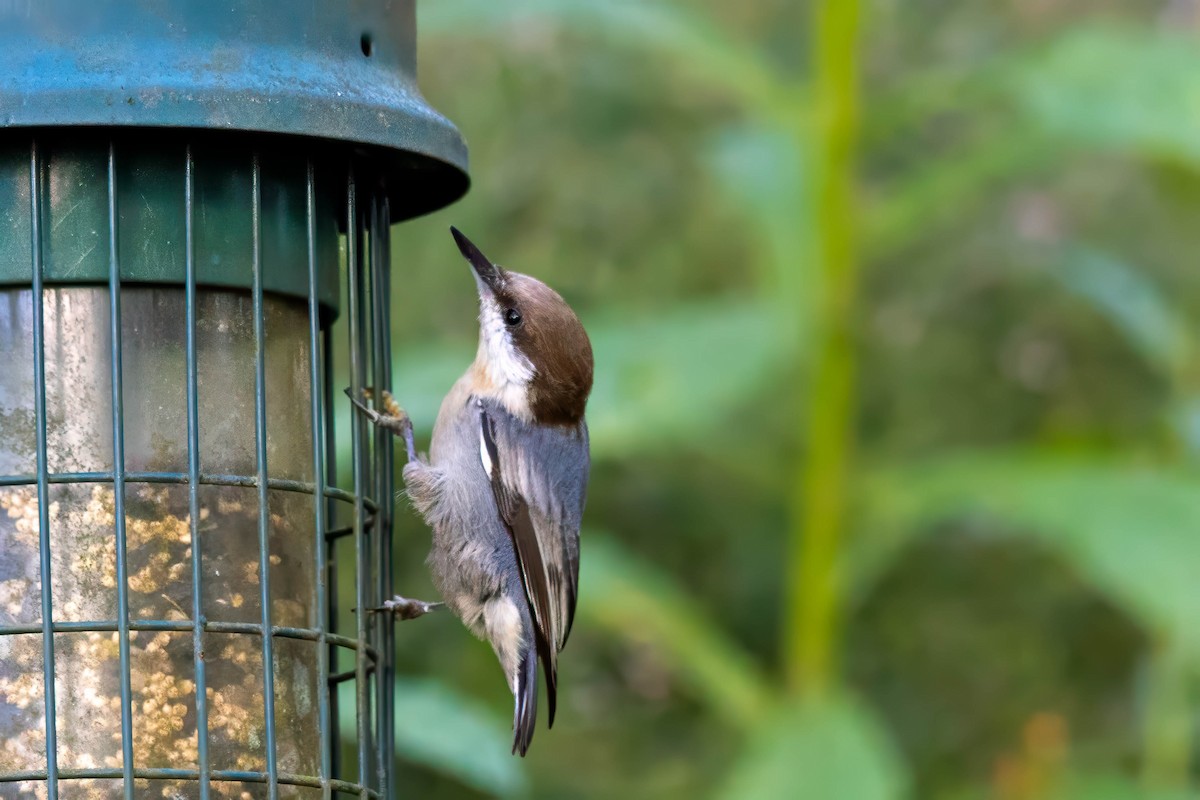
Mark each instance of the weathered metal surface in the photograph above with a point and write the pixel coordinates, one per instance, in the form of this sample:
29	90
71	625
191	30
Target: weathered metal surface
159	550
169	617
150	233
342	70
174	176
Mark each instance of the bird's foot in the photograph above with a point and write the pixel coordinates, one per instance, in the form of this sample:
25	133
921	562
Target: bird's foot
405	608
393	419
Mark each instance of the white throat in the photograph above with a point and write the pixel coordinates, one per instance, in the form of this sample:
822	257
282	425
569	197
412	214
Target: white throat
507	373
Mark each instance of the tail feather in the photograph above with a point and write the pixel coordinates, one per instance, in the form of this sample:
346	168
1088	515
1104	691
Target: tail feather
545	649
525	702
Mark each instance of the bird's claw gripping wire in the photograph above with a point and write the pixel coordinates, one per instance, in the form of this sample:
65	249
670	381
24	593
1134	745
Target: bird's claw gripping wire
393	419
406	608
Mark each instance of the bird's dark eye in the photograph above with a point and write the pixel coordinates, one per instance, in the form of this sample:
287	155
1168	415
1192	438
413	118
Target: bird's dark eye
512	317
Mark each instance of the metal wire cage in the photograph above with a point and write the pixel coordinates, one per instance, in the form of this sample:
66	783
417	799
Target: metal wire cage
169	515
194	229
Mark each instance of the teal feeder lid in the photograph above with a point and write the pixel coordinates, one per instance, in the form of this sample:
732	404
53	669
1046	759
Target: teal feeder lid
331	83
344	72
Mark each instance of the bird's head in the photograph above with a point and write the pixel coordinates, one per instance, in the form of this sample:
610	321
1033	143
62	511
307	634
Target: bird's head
534	355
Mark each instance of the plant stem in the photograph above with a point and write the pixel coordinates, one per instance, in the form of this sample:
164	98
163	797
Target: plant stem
818	514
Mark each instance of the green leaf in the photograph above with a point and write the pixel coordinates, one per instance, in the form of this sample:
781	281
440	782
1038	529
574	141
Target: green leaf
1149	321
1128	299
660	380
823	749
684	34
1133	531
933	198
672	377
762	172
1126	89
633	600
437	728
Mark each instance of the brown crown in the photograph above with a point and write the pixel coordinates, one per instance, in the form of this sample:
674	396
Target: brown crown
554	341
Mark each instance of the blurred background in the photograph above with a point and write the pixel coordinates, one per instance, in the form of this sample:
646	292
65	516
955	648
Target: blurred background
897	409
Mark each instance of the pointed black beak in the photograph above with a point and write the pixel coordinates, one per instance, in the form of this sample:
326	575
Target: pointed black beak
488	273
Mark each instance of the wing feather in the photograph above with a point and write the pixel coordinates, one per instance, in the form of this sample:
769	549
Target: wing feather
541	505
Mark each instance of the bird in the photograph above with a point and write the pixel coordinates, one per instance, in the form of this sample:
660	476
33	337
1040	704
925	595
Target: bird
505	482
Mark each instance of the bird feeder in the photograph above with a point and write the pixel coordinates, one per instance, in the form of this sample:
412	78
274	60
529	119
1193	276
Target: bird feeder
194	228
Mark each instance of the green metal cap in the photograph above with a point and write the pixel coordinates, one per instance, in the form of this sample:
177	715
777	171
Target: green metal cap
335	70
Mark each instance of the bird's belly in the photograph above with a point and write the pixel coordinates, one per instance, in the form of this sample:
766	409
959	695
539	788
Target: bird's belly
472	559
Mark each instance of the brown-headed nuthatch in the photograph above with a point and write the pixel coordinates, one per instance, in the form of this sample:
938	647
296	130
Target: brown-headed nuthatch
504	485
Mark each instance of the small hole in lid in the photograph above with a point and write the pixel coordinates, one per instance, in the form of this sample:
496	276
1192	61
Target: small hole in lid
368	46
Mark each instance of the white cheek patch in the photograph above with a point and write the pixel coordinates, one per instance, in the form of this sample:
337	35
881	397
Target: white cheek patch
506	366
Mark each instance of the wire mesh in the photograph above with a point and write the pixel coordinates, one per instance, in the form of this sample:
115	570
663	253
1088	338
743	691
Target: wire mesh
208	742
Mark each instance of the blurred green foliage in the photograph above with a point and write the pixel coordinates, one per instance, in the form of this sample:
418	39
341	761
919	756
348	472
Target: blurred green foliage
897	405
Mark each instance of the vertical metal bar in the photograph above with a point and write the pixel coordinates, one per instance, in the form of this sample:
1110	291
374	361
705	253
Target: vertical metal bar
370	560
358	454
264	513
118	422
193	449
331	546
317	396
43	486
371	330
387	499
331	570
380	330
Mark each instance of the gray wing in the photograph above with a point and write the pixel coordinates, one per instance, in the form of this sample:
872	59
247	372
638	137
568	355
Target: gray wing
539	479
